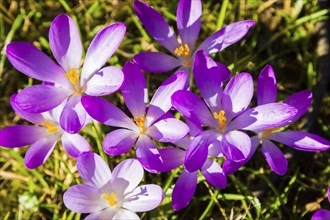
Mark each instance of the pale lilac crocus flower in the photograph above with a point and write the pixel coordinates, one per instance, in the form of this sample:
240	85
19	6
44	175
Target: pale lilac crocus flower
152	122
64	81
322	214
109	195
300	140
42	137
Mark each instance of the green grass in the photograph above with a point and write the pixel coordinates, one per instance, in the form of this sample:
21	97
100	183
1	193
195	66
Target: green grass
283	37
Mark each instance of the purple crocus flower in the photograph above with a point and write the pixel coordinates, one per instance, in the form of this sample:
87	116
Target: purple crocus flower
109	195
300	140
64	82
188	24
146	124
42	137
322	214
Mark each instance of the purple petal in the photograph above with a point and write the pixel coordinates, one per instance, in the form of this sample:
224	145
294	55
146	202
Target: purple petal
93	169
226	36
274	157
188	17
105	81
38	153
301	140
186	183
40	98
161	101
157	26
65	43
74	144
122	214
106	113
107	213
214	174
102	47
84	199
21	135
156	62
236	145
168	130
328	193
134	89
215	148
119	141
266	87
172	158
272	115
321	214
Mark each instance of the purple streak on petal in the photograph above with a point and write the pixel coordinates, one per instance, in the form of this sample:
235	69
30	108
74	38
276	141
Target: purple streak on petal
21	135
157	26
83	198
321	214
65	43
29	60
271	115
119	141
38	153
236	145
134	89
215	148
40	98
186	183
172	158
102	47
93	169
74	144
301	140
105	81
156	62
188	17
226	36
106	113
161	101
214	174
266	87
274	157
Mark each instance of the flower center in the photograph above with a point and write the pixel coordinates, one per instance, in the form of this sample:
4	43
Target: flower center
222	120
139	121
265	133
73	76
184	51
51	128
111	199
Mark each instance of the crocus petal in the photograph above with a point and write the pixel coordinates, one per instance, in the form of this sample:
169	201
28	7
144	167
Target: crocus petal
266	87
21	135
107	213
106	113
271	115
226	36
157	26
215	148
172	158
73	115
29	60
104	44
105	81
40	98
161	101
301	140
209	76
192	107
156	62
301	101
168	130
237	95
38	153
74	144
119	141
123	214
214	174
65	43
186	183
83	198
134	89
148	155
93	169
274	157
236	145
321	214
188	17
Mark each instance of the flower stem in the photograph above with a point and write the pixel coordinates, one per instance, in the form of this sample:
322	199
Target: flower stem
99	144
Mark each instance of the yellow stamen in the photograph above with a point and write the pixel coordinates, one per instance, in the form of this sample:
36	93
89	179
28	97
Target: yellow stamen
78	91
183	50
265	133
139	121
51	128
222	120
110	198
73	76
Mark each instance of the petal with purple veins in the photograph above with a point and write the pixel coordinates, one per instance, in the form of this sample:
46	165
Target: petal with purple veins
266	87
74	144
236	145
214	174
119	141
172	158
274	157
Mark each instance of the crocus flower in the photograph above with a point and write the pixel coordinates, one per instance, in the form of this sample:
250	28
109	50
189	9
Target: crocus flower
188	23
64	82
145	124
322	214
300	140
42	137
109	195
